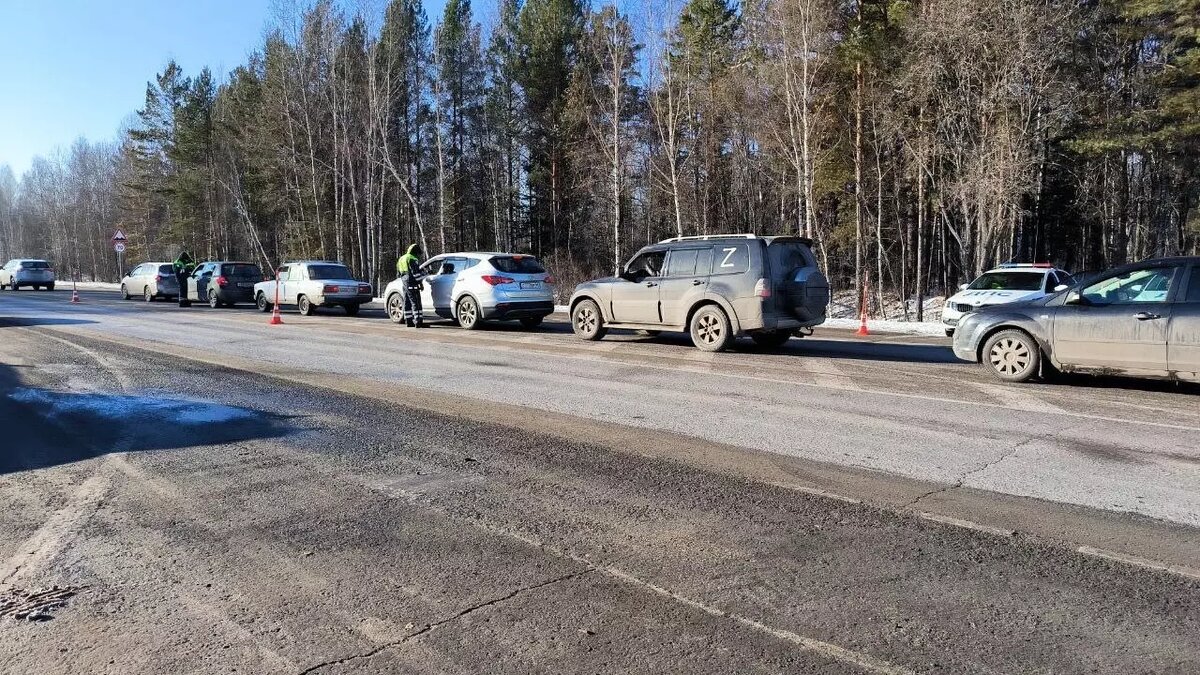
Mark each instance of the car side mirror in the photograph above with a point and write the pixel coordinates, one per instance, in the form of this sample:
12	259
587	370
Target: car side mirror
963	287
1060	288
1075	298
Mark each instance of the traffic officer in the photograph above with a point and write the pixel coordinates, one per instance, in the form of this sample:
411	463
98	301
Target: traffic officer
184	265
408	269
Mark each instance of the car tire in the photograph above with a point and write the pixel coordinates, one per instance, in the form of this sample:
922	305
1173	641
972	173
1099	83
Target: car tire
587	321
50	288
147	295
395	308
532	321
710	329
125	293
1012	355
467	313
260	301
214	300
771	339
351	310
305	306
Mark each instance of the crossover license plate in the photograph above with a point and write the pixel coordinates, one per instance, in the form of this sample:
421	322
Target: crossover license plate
246	284
531	284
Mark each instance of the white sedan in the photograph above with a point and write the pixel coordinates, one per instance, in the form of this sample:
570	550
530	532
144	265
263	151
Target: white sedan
310	284
470	288
1011	282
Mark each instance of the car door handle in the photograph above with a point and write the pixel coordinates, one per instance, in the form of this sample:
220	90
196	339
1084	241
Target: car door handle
697	282
1146	316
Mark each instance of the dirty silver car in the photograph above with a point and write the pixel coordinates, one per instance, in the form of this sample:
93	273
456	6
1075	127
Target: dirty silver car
716	288
1139	320
150	281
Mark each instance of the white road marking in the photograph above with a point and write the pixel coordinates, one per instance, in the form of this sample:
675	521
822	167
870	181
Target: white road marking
1016	397
828	374
1190	572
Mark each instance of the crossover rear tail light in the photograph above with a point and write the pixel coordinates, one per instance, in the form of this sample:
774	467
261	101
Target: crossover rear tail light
158	277
762	289
496	280
221	281
549	279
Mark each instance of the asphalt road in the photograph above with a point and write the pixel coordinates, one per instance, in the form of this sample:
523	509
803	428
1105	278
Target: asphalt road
210	493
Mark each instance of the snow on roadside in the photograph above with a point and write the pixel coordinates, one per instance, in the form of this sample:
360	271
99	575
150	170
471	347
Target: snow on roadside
890	326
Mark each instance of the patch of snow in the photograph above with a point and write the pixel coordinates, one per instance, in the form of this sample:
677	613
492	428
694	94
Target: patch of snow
890	326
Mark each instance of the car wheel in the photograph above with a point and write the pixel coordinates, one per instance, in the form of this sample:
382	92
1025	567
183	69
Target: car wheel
710	329
213	300
147	295
125	293
587	321
1012	355
50	288
260	301
468	313
305	306
351	310
532	321
772	339
395	308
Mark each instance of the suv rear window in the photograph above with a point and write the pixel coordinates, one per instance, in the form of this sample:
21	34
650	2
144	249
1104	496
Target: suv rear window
35	265
518	264
788	256
166	269
241	271
322	272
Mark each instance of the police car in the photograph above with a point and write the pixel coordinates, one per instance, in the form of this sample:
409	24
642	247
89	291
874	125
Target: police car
1010	282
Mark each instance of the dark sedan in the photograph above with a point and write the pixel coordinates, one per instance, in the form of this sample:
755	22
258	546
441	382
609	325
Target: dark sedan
224	283
1139	320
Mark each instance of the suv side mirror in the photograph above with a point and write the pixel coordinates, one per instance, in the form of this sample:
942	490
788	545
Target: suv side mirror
1075	298
1060	288
963	287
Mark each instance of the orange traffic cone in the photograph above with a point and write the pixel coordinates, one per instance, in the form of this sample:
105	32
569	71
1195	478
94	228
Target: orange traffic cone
862	325
74	297
276	319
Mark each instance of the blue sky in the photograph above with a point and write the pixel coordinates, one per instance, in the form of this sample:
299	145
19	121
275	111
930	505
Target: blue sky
71	68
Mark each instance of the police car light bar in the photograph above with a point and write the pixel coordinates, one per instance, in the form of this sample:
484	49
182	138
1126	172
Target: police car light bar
1042	265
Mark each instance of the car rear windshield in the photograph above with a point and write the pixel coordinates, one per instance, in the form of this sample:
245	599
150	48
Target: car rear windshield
241	271
1008	281
786	257
518	264
35	265
322	272
166	269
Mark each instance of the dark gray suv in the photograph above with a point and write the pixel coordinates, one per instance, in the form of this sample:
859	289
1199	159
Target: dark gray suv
716	288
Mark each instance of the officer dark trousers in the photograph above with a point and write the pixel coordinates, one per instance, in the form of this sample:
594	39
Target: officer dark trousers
412	301
182	277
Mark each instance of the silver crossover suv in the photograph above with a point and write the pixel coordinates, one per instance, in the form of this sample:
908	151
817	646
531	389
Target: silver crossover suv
35	274
716	287
471	288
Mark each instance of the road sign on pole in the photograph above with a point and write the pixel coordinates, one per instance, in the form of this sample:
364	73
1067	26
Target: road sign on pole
119	247
119	235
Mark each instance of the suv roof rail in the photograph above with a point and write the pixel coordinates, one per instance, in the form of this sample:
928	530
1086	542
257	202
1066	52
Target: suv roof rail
709	236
